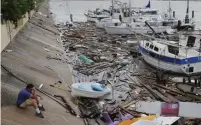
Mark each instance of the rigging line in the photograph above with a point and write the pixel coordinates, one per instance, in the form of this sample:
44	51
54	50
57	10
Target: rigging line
67	7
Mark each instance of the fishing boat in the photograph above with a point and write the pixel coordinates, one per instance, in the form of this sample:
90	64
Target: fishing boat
171	56
89	90
119	13
149	15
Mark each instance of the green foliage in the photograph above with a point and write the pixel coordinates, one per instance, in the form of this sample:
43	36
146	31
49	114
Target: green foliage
13	10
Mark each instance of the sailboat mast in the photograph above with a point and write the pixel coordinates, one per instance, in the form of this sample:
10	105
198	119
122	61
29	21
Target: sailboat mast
130	11
112	8
187	13
170	10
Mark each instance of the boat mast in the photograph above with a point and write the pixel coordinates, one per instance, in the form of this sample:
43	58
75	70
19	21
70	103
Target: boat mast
112	8
187	13
170	10
130	11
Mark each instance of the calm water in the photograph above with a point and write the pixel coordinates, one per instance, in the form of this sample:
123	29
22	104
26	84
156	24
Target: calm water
62	8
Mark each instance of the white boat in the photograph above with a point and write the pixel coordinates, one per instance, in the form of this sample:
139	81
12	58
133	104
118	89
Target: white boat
107	22
134	28
169	56
119	13
94	16
87	90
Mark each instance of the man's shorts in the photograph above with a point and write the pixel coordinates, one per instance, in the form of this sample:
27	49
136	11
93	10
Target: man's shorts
28	102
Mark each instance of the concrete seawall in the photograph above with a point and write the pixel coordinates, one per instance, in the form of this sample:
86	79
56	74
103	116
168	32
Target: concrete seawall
36	57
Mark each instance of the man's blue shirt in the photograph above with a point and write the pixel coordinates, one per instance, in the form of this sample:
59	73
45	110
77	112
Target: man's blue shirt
23	95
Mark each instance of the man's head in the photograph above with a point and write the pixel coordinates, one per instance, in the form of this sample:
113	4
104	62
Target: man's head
29	86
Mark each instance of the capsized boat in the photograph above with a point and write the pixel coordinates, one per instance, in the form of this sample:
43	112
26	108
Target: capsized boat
169	56
89	89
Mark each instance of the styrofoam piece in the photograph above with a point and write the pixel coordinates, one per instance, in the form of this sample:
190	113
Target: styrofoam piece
190	109
131	42
150	107
166	120
186	109
145	122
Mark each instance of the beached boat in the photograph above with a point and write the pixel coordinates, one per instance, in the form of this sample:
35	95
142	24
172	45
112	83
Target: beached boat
170	56
89	89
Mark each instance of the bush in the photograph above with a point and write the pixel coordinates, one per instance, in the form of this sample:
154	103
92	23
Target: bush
13	10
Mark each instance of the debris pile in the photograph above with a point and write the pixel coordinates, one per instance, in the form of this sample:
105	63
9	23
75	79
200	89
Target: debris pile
114	61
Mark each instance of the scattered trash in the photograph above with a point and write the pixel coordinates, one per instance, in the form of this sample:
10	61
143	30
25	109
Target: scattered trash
85	59
51	57
113	61
46	49
8	50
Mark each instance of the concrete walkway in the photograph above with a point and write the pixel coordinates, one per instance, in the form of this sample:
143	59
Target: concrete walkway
28	62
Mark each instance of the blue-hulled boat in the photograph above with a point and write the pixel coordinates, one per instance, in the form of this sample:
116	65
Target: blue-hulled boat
170	56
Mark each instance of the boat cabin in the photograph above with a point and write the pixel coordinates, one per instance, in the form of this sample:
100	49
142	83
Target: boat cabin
162	49
148	11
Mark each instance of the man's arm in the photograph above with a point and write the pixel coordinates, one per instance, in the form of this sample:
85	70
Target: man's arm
33	94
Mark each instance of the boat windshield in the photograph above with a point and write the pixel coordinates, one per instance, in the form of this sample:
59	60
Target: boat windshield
173	50
191	41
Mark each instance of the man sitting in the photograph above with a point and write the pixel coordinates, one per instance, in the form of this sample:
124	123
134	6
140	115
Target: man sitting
27	97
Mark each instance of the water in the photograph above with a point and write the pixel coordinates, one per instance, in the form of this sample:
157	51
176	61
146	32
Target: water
62	8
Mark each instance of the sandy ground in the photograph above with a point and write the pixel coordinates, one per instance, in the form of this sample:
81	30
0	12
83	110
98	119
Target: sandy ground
28	62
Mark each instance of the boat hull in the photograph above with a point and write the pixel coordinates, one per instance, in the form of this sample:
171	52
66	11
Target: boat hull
107	22
170	67
133	30
117	30
95	18
75	91
91	19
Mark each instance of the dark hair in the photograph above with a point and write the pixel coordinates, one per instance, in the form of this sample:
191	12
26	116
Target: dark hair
29	86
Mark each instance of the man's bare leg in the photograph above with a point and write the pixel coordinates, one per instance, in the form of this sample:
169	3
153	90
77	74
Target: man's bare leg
35	105
37	101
